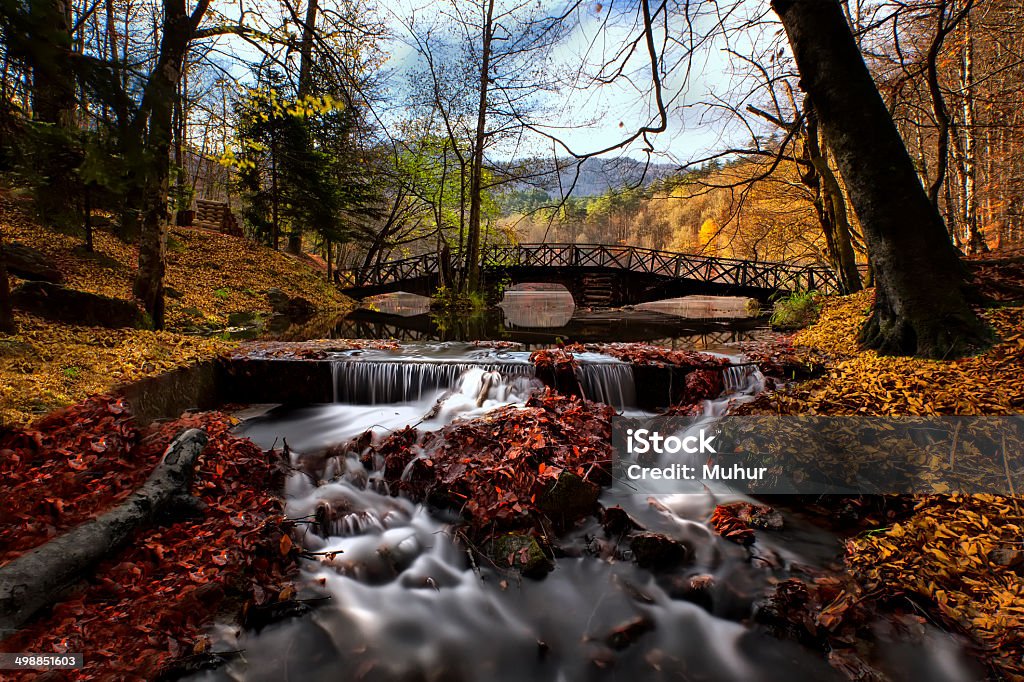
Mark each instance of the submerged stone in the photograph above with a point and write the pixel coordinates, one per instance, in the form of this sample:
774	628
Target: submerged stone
654	550
521	552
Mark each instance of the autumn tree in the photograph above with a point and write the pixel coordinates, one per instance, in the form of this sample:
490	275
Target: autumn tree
495	60
920	303
150	139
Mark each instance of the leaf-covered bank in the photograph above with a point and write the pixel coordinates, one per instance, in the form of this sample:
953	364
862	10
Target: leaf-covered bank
48	365
147	605
957	559
209	275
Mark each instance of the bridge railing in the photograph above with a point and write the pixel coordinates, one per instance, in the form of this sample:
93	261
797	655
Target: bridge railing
711	269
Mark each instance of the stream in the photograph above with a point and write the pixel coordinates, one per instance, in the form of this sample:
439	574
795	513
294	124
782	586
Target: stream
407	602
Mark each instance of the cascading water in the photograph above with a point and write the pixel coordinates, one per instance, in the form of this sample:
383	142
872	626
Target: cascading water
407	601
607	381
372	382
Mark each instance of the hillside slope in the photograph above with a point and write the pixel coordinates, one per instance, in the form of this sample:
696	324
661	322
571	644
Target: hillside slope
49	365
209	275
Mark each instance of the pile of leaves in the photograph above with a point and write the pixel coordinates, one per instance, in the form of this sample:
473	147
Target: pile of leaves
209	275
556	367
147	605
736	521
47	366
515	468
999	279
312	349
559	359
957	557
962	556
779	358
649	354
863	382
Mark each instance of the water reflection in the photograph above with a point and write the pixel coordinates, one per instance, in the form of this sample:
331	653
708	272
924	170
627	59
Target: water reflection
534	318
537	309
705	307
400	303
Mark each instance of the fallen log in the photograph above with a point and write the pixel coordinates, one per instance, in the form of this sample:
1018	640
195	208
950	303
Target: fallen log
43	575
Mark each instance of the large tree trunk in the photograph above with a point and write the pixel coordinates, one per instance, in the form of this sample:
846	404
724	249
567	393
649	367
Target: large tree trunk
54	103
7	325
44	574
158	102
920	305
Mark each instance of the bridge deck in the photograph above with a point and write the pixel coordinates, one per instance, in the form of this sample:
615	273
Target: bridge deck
666	265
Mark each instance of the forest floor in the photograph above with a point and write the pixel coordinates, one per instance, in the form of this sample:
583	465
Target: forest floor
957	558
49	365
144	613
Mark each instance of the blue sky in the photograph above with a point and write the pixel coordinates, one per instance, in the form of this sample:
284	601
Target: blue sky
593	118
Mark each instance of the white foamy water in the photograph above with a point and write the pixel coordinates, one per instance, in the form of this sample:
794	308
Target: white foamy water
407	601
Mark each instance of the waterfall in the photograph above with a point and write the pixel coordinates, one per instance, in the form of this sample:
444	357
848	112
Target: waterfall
742	378
375	382
608	382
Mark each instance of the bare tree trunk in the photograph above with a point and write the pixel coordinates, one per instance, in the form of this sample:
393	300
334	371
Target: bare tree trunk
938	105
476	171
158	101
975	240
920	305
7	324
833	218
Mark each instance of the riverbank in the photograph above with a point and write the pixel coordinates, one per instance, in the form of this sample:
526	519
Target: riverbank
955	560
212	280
144	612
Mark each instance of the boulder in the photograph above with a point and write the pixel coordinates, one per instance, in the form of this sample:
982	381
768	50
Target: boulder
570	497
294	306
654	550
59	303
28	263
521	552
278	299
300	307
243	318
617	521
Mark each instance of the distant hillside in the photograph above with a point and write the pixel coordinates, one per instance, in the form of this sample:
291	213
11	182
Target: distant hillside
597	176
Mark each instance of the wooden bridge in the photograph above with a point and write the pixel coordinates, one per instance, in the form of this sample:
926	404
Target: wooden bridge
602	275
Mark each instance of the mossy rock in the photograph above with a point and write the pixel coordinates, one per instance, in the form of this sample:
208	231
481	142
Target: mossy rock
521	552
